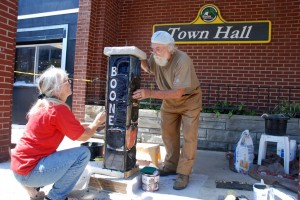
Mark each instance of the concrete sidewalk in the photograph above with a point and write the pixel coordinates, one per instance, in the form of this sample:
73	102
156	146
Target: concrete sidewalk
210	166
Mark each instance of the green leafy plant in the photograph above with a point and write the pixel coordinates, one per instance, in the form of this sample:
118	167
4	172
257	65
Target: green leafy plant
149	104
291	110
224	107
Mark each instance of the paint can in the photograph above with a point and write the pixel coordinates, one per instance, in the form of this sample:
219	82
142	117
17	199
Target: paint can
150	179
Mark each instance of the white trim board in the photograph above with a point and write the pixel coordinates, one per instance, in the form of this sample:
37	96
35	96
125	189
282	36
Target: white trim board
47	14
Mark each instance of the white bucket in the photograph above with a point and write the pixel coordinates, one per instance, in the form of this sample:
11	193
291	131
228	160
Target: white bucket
150	182
260	191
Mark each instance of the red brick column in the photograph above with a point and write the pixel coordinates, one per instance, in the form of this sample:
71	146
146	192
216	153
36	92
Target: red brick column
8	24
82	53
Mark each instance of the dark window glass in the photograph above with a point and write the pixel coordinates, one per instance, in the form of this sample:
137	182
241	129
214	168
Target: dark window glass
49	55
32	60
24	64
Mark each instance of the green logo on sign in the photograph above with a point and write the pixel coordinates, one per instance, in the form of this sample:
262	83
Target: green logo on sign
209	13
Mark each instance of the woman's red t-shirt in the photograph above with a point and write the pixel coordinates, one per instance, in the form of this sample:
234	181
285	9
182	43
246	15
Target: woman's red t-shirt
43	134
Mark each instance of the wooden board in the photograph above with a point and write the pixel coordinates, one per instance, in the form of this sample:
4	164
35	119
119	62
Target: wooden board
106	184
124	184
236	185
131	172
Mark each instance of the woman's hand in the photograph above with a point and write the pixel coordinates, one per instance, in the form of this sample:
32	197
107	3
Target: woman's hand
90	128
101	118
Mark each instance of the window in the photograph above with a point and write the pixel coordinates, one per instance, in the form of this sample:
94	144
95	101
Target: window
32	60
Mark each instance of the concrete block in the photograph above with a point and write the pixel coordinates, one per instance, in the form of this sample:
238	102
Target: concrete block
151	138
217	146
213	125
242	124
223	136
149	122
202	133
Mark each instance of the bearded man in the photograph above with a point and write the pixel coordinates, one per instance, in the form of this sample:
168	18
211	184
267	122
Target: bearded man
180	91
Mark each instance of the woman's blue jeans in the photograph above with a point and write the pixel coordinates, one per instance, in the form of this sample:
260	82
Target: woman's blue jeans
63	168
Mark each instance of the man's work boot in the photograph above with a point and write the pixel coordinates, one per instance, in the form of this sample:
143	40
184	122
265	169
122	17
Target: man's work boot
181	182
166	171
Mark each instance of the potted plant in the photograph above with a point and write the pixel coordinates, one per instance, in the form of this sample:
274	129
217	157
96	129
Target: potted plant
291	110
276	122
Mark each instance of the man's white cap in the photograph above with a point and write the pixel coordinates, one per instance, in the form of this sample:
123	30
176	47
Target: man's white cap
162	37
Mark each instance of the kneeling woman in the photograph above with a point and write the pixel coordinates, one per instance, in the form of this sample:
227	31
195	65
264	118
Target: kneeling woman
35	161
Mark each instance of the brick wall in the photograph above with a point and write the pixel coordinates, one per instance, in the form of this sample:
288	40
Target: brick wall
8	17
97	28
276	63
263	66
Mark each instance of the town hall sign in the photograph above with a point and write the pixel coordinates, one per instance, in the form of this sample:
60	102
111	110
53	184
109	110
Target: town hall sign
210	27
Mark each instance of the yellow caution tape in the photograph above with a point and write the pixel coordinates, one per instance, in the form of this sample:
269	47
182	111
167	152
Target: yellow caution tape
33	74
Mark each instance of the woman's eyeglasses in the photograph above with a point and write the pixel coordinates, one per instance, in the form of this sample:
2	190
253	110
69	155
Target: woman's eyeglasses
68	81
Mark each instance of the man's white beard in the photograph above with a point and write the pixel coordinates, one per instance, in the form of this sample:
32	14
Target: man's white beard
161	61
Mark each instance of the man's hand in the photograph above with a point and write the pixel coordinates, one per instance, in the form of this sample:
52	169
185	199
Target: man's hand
141	94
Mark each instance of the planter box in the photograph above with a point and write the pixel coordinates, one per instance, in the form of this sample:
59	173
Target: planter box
214	133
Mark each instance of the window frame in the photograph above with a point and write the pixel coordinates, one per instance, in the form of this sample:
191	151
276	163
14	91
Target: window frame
33	44
36	60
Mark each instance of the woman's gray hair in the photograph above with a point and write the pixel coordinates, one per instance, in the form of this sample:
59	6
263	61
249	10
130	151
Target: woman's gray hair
51	80
49	86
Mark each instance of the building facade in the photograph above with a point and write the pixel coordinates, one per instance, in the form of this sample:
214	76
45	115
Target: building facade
46	35
78	31
75	33
270	67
